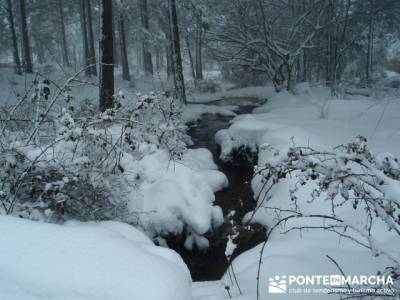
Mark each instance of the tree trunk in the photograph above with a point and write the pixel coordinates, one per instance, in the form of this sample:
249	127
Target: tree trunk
115	44
27	63
199	46
169	61
190	59
179	81
92	51
168	49
63	35
107	57
147	59
85	43
158	60
370	43
17	60
124	51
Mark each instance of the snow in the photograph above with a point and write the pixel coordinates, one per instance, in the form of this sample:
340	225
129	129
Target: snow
181	193
111	260
310	117
164	196
82	261
193	112
261	92
314	118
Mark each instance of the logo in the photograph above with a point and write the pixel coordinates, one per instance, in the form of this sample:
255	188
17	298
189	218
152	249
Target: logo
379	285
277	285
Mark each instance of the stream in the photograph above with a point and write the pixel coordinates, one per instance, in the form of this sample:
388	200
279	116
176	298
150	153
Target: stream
237	197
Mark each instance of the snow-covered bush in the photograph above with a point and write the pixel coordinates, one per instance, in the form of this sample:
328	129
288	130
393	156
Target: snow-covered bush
78	171
128	164
348	176
156	119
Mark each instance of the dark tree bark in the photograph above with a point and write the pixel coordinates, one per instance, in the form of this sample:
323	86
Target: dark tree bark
17	60
199	49
370	43
192	67
107	57
168	49
63	34
116	42
158	59
179	81
147	59
168	55
92	51
85	43
27	62
124	51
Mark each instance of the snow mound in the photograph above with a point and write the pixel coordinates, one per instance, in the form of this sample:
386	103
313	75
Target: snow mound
246	130
178	196
311	117
83	261
260	92
193	112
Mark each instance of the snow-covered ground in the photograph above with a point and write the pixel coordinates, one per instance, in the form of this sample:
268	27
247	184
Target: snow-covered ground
172	196
261	92
112	260
310	118
86	261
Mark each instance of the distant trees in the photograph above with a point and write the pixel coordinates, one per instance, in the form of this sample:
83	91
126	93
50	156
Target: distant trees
84	34
147	58
123	46
63	34
88	37
251	41
269	39
26	47
304	40
15	51
107	57
92	52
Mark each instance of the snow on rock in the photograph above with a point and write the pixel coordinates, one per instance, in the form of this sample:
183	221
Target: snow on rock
86	261
260	92
193	112
245	131
179	195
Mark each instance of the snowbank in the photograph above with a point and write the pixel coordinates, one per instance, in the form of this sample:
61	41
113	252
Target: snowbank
310	118
261	92
178	196
314	118
193	112
107	260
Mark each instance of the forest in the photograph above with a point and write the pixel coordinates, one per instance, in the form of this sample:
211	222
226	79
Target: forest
199	149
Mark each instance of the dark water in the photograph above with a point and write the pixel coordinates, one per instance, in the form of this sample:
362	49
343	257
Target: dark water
238	197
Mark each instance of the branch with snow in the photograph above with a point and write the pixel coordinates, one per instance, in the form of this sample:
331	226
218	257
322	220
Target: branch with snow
348	176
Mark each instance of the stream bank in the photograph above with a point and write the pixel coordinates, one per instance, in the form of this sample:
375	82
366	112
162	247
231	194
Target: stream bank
235	200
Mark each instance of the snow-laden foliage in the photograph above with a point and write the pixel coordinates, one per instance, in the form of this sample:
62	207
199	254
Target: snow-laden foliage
349	175
78	171
156	119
